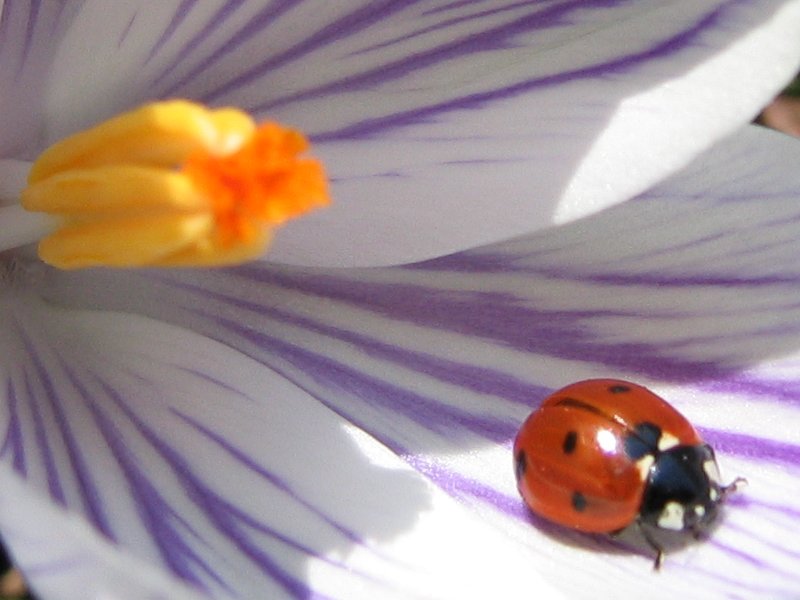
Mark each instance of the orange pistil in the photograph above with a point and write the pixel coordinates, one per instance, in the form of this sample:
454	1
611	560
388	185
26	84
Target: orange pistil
171	184
263	183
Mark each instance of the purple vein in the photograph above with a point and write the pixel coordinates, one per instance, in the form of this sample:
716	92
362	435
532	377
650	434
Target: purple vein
256	24
426	412
89	494
224	516
127	30
54	485
13	441
476	378
273	479
489	39
349	24
30	29
753	447
540	18
501	317
159	517
181	12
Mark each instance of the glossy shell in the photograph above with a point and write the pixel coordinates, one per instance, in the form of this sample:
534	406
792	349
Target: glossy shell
583	458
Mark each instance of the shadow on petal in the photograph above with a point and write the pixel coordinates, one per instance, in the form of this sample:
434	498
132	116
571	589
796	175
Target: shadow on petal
190	456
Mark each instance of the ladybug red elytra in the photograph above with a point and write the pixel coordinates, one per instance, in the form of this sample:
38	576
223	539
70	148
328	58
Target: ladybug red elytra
603	455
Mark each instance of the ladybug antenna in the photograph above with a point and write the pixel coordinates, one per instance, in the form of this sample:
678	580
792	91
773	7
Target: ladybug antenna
733	486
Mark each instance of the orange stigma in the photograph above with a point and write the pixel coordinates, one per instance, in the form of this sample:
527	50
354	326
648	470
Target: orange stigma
171	184
264	182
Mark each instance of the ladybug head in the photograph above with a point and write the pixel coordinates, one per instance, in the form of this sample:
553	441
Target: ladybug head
683	491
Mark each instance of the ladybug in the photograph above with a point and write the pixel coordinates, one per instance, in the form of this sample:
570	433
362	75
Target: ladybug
606	455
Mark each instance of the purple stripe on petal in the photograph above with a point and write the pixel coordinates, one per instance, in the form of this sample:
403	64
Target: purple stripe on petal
782	549
5	23
544	18
13	439
741	554
757	389
371	127
347	25
461	487
486	262
11	18
54	485
60	11
90	496
465	488
217	19
500	317
33	13
677	281
473	262
474	378
228	519
255	25
790	511
752	447
181	12
501	37
274	480
456	5
127	30
213	380
160	519
425	412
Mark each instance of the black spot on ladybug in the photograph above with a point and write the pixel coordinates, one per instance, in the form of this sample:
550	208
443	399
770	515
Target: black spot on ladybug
578	501
643	439
520	464
581	405
619	389
570	440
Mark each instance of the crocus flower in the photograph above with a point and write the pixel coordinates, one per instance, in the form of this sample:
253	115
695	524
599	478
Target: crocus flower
289	429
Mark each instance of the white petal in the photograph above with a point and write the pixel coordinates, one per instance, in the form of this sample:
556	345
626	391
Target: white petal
447	125
196	461
13	178
66	558
683	289
103	64
473	164
30	34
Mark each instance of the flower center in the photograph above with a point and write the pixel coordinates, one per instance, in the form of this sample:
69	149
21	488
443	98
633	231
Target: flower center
171	184
264	181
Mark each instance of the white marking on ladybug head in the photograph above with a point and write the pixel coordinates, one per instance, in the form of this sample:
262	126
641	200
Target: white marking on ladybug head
671	516
713	494
667	441
712	470
644	464
699	510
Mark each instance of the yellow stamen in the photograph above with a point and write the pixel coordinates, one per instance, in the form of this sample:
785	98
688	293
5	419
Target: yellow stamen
171	184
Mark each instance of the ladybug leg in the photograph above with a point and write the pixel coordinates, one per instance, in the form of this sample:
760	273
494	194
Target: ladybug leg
659	560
